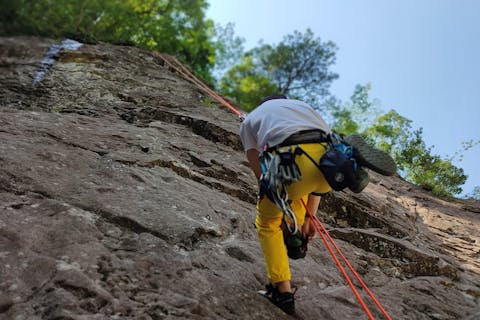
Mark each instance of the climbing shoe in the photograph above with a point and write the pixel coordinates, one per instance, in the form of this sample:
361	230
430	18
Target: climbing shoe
361	180
370	157
284	300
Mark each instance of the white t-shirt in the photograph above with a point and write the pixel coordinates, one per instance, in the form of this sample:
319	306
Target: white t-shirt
275	120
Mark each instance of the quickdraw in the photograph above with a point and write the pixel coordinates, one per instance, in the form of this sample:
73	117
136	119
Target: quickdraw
278	171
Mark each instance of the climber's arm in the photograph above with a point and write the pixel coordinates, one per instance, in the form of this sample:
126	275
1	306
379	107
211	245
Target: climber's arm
253	159
312	204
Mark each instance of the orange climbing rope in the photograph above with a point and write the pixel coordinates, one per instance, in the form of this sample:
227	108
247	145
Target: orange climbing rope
325	235
172	62
187	74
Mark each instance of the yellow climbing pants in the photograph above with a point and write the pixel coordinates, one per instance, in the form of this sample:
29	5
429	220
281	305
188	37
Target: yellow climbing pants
269	216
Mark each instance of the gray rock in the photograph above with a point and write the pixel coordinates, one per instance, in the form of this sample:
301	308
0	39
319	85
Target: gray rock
124	196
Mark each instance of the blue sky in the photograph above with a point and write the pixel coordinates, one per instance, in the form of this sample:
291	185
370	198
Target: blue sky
421	57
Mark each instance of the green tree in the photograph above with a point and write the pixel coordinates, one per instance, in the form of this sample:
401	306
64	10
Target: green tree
390	131
475	194
355	115
428	170
177	27
246	85
393	133
298	66
228	49
464	148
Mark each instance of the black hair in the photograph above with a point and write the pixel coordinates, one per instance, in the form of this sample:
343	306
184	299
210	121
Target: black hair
273	97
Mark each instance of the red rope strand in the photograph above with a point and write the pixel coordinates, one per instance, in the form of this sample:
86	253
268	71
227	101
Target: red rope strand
187	74
339	265
323	232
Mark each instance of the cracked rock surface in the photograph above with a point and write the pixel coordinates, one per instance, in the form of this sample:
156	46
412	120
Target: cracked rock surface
125	194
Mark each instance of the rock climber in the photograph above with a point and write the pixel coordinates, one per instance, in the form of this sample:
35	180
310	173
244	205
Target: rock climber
285	141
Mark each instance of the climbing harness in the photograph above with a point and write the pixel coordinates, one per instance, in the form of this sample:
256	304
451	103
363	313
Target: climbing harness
280	170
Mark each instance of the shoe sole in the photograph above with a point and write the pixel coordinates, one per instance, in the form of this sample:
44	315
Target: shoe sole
370	157
263	293
363	178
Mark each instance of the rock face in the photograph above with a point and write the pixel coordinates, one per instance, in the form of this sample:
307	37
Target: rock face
125	194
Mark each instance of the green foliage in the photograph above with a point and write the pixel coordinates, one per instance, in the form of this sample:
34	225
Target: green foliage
393	133
177	27
56	109
298	67
208	101
355	115
228	49
465	147
246	85
390	131
426	169
475	194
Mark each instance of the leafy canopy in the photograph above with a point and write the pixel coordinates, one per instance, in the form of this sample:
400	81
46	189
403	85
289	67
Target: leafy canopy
393	133
298	67
475	194
228	49
177	27
246	84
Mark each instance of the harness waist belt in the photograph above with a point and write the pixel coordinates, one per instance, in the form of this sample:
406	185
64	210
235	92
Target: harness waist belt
305	136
